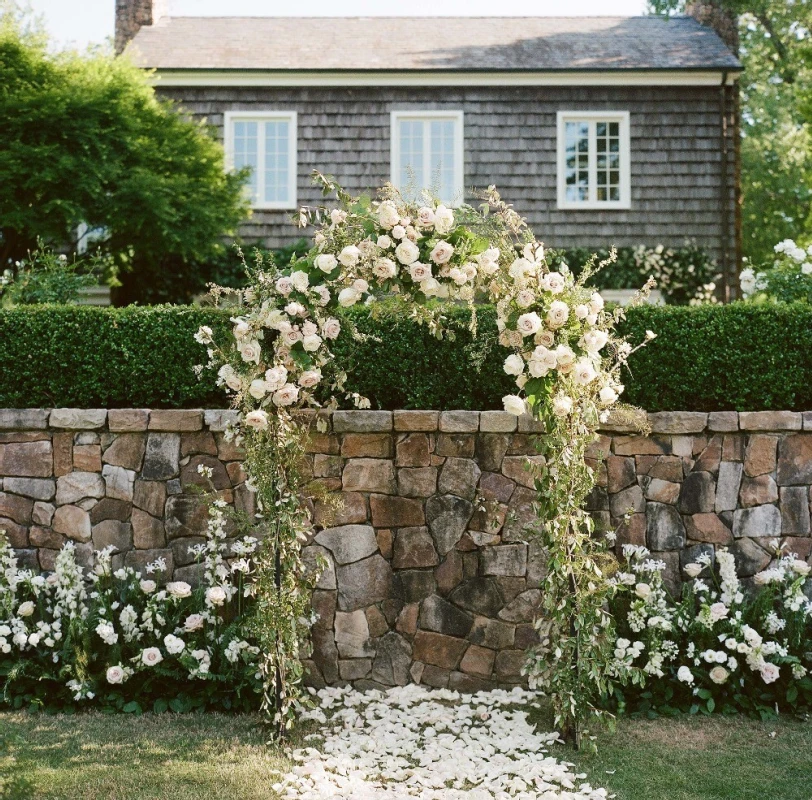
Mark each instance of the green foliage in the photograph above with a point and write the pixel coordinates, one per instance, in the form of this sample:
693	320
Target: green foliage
45	277
683	274
741	356
83	139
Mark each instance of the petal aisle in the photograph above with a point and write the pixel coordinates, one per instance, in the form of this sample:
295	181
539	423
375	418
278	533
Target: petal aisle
430	744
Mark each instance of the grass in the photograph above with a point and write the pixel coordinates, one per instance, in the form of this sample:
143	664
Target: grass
99	757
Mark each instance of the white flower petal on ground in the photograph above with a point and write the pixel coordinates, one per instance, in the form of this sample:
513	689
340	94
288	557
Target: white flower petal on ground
431	744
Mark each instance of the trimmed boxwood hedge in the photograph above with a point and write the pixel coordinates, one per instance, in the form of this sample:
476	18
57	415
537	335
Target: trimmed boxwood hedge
706	358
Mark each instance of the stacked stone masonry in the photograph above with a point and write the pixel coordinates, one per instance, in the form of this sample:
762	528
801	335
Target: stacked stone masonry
430	575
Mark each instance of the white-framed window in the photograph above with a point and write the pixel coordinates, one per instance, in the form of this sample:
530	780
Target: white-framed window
427	152
265	141
593	159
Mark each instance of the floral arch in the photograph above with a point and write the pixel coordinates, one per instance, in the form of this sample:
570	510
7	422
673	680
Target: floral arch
560	347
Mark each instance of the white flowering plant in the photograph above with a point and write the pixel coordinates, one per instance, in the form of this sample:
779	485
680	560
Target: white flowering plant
129	640
788	279
423	256
722	645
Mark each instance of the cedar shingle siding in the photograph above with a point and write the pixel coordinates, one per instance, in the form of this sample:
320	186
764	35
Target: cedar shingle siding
510	140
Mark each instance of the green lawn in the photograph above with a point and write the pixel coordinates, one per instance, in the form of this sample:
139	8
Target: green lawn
98	757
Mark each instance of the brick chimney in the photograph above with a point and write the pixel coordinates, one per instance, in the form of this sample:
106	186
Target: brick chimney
723	21
131	16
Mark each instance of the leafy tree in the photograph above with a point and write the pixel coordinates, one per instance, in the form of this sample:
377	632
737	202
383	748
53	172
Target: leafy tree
84	140
776	112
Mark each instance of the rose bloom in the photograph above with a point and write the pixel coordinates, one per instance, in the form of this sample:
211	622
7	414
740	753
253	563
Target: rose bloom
562	405
151	656
528	324
311	343
388	214
595	303
398	232
420	272
558	314
407	252
542	361
26	609
442	252
443	219
194	622
284	286
545	338
800	567
581	311
685	675
348	297
299	280
326	262
173	644
147	587
514	404
331	327
258	389
275	378
349	255
323	294
514	365
337	216
360	285
384	242
553	283
309	378
179	589
718	675
457	275
564	358
286	396
273	318
533	251
295	309
607	395
433	288
384	268
770	673
115	674
216	595
520	269
257	419
718	611
642	590
584	372
525	298
250	351
230	377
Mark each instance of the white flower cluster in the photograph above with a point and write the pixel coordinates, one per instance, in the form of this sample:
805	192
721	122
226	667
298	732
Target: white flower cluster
432	744
791	259
710	635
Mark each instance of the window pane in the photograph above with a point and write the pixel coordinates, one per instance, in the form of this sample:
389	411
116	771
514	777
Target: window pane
441	159
608	167
245	151
576	143
277	172
411	172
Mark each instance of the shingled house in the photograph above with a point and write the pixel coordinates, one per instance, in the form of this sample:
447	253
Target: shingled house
599	130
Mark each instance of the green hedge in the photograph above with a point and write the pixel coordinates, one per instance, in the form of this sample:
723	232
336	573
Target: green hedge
742	356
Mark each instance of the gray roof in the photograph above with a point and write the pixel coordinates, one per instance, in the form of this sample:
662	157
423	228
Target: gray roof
438	43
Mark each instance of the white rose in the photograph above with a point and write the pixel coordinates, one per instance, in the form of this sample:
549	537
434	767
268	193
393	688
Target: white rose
514	404
179	589
148	587
425	217
241	329
275	378
564	359
533	251
545	338
562	405
326	262
323	294
800	567
286	396
384	268
420	272
595	303
806	269
521	268
685	675
258	389
216	595
432	287
295	309
443	219
528	324
525	298
388	215
770	673
26	609
558	314
349	255
384	242
718	675
348	297
151	656
194	622
311	343
407	252
360	285
115	675
274	318
258	419
309	378
300	280
331	327
284	285
442	252
173	644
250	351
594	341
231	379
607	395
514	364
457	275
642	590
581	311
584	372
204	334
553	283
398	232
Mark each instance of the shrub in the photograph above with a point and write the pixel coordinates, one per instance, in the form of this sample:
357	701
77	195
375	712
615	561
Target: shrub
786	280
743	356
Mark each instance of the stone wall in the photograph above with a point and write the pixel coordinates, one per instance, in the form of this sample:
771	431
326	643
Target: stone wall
429	577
